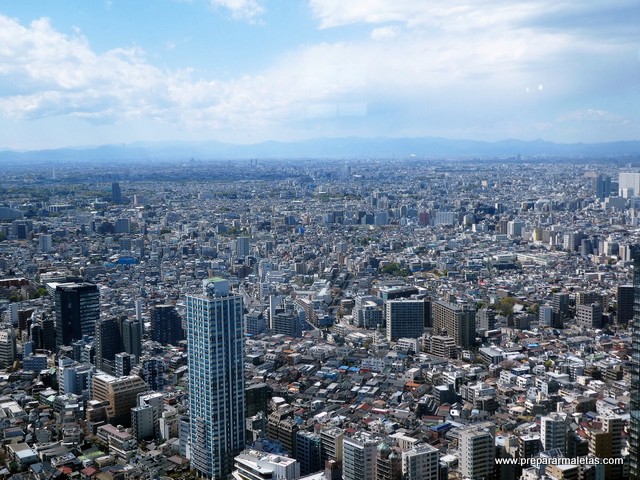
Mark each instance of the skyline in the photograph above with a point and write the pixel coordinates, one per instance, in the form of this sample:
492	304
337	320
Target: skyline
247	71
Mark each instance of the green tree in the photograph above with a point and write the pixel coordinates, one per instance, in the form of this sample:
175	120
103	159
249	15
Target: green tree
505	306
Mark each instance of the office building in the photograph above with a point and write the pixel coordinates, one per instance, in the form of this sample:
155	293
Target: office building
624	296
456	322
131	332
477	453
256	399
215	340
145	418
602	186
74	377
116	193
121	394
308	452
166	325
242	247
545	316
77	308
116	335
629	184
107	343
405	318
420	463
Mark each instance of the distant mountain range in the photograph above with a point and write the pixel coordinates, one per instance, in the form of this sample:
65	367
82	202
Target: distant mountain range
336	148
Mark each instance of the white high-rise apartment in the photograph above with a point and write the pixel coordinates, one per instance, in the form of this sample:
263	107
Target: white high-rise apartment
553	431
420	463
215	340
477	453
359	456
629	184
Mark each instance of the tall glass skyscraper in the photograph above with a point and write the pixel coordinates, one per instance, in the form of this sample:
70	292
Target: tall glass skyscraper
634	423
77	311
215	340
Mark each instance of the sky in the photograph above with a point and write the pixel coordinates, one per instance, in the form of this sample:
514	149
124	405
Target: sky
80	73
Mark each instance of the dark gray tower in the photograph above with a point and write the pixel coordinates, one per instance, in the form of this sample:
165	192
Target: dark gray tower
77	311
634	422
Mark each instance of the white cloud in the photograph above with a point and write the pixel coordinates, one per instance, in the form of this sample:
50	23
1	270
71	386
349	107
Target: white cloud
414	74
241	9
593	115
384	33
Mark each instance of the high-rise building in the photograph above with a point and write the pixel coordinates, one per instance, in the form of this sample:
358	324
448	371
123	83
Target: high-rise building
286	323
624	296
123	362
116	335
116	193
589	316
405	318
485	319
477	453
45	243
602	186
308	447
242	247
607	443
420	463
629	184
131	331
75	377
77	311
166	325
215	341
7	347
634	421
359	457
332	444
553	431
457	322
108	343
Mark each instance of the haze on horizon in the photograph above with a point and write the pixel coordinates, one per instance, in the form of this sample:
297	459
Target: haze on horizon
246	71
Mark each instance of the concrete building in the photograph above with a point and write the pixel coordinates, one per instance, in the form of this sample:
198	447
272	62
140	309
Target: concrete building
456	322
255	465
120	393
215	339
7	347
477	453
77	308
553	431
359	457
166	325
405	318
420	463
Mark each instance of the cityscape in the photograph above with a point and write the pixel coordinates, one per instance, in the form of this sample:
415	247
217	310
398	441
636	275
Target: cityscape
347	319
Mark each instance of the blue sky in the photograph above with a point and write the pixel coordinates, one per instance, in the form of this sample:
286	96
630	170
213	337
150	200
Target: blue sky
77	72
